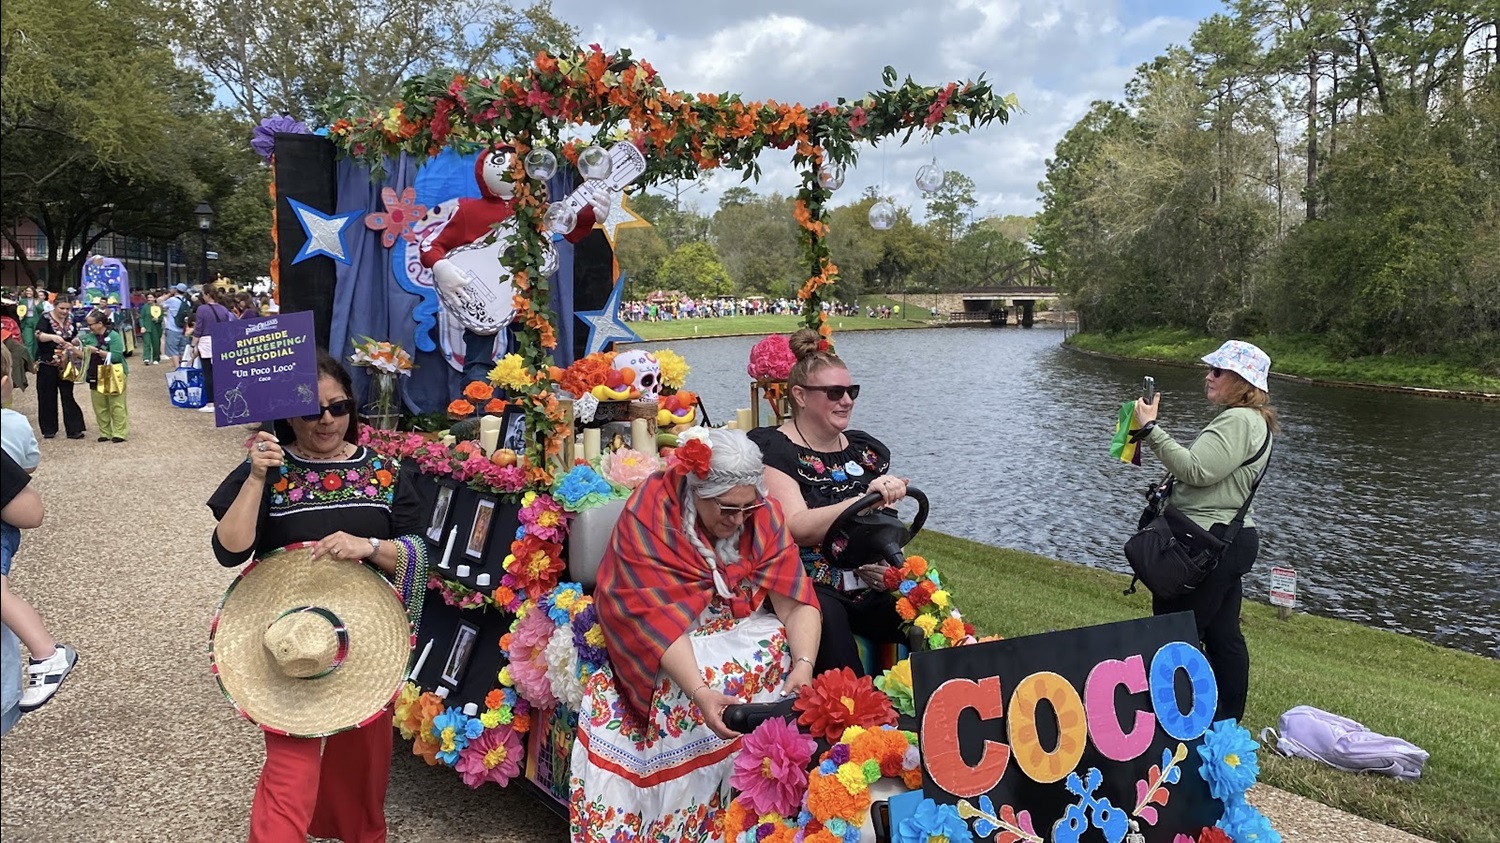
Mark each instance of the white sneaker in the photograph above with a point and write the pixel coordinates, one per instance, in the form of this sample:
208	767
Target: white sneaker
206	408
44	677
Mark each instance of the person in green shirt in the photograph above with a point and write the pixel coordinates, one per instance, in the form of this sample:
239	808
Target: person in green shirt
29	313
1214	476
106	345
150	321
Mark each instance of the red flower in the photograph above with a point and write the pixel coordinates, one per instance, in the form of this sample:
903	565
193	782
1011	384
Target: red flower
695	455
332	482
1214	834
892	578
838	699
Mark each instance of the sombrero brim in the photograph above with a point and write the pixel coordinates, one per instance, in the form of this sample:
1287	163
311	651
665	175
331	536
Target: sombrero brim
368	679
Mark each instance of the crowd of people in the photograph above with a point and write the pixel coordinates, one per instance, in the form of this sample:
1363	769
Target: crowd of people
670	307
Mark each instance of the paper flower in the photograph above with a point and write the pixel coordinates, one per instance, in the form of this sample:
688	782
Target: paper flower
510	373
528	657
1244	824
838	699
452	730
674	369
559	602
582	488
629	468
772	359
406	707
562	668
263	137
494	756
588	637
586	373
542	516
694	455
896	684
1230	765
400	214
533	566
478	391
932	823
1213	834
770	770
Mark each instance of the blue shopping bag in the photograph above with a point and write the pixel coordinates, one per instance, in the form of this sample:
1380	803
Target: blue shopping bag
185	387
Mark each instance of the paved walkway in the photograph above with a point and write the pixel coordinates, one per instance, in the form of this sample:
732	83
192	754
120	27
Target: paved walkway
140	745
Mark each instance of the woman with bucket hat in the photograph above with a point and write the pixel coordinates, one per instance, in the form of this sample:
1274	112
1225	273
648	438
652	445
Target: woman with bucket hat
312	642
1212	479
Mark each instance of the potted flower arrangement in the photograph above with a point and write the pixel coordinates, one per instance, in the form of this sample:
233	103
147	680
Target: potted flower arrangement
771	361
388	363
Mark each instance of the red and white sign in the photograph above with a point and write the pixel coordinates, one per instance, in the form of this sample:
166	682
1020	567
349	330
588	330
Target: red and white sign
1283	587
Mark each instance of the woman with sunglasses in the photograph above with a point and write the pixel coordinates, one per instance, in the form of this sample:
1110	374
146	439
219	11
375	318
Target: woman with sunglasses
1213	477
312	482
816	467
703	604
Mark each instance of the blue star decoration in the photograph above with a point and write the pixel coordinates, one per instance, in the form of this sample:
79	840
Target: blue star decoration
604	324
325	232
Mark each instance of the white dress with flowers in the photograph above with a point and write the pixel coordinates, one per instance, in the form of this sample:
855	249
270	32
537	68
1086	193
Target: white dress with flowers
666	781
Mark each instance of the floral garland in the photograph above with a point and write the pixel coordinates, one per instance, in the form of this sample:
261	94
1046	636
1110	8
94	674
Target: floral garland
463	463
922	602
553	647
1230	766
482	749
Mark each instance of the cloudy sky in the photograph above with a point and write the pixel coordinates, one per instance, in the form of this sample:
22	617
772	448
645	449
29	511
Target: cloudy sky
1057	56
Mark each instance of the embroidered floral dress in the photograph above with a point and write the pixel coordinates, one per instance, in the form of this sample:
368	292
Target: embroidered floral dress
666	781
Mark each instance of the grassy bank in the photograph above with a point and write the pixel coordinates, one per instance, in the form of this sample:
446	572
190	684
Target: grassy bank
1304	356
1445	701
725	326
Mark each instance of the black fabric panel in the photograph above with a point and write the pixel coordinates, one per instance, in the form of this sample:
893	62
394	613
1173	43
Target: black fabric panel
304	170
593	280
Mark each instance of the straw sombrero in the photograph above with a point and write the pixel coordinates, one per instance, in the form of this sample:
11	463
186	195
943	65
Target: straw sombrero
306	647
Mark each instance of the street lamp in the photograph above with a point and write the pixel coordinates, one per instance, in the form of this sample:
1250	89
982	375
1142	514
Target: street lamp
205	214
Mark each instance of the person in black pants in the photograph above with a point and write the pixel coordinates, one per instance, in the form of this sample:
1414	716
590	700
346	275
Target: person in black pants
210	313
54	334
816	468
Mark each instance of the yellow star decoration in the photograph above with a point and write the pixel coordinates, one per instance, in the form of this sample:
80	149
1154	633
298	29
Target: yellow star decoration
620	216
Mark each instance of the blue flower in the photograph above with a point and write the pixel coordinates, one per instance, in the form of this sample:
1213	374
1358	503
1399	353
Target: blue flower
581	488
453	730
907	586
1230	764
932	822
1244	824
556	601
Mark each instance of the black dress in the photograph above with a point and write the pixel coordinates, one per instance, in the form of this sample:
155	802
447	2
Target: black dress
828	478
51	388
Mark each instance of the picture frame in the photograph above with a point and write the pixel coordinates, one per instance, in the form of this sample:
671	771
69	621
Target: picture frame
479	531
465	637
439	516
513	429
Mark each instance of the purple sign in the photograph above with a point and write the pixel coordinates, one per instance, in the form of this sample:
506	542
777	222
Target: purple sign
264	369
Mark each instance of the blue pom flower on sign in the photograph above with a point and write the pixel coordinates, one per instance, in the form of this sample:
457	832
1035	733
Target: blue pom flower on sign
1230	765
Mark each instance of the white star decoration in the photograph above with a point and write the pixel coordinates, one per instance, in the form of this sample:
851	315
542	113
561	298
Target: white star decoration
604	324
325	232
619	217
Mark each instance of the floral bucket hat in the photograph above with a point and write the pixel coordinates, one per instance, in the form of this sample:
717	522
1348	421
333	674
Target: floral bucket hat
1245	360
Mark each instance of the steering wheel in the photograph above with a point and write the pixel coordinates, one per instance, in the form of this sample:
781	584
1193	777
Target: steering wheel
858	537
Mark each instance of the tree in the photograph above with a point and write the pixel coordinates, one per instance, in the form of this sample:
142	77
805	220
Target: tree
641	252
289	56
694	268
756	237
950	208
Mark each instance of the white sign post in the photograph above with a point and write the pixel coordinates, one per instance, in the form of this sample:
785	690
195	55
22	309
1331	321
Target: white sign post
1283	591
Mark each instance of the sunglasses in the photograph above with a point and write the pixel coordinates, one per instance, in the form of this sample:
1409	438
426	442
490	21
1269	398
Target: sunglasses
337	409
741	511
836	393
1216	372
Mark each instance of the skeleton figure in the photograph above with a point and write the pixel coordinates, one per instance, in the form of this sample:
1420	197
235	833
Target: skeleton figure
647	371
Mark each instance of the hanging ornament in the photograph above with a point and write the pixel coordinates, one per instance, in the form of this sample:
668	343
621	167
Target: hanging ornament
541	164
594	163
560	218
882	215
830	177
930	177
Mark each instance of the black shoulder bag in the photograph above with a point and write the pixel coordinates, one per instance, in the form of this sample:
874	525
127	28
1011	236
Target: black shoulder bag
1169	552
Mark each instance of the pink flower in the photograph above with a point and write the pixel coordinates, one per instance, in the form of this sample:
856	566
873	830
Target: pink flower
370	491
770	770
528	658
400	214
545	519
858	119
629	468
494	756
772	358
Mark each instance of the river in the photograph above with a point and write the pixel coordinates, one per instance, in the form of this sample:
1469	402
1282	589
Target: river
1387	505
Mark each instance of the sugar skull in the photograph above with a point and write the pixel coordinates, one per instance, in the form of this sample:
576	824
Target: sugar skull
647	371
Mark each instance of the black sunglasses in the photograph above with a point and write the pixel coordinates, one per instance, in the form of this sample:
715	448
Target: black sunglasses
836	393
337	409
1216	372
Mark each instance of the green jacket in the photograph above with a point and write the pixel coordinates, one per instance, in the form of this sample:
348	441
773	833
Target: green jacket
29	322
151	323
1211	483
112	342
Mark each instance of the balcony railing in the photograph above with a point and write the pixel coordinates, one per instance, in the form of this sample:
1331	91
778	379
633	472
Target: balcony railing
129	249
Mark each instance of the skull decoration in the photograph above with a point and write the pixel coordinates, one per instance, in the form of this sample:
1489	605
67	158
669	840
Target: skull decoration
647	371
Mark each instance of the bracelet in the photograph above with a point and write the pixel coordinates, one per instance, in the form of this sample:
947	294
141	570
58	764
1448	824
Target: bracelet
694	695
803	659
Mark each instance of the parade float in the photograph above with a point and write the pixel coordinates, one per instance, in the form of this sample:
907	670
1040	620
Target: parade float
544	428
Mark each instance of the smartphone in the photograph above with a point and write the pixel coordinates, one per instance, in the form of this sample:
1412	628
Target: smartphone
1148	389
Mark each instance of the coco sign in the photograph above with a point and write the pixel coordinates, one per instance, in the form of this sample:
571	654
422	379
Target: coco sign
1071	736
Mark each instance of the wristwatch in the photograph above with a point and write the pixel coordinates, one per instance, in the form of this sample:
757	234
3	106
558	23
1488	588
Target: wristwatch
374	545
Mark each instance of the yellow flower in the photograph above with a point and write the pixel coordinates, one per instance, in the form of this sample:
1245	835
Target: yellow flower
510	373
505	677
527	499
940	599
926	623
490	719
852	777
674	369
595	636
851	733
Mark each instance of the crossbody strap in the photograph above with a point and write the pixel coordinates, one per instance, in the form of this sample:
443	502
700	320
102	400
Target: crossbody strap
1239	517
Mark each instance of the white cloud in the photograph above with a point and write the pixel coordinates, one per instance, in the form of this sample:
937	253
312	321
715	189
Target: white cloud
1057	57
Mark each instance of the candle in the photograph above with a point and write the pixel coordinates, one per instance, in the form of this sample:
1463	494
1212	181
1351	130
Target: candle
448	550
449	441
591	443
463	570
742	419
482	580
471	709
421	660
489	434
441	692
640	437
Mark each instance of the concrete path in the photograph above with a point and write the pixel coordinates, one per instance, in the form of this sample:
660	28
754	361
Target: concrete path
139	745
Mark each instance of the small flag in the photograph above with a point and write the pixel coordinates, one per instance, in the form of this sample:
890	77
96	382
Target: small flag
1122	448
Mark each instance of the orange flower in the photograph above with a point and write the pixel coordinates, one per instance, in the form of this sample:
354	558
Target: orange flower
460	409
504	596
426	750
496	405
494	699
479	391
521	723
905	609
952	629
546	63
384	477
917	565
828	798
504	639
735	819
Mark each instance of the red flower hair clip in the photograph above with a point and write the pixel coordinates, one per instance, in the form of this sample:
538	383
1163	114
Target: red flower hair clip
694	455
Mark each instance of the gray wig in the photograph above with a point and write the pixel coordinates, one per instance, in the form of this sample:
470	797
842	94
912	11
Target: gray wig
735	461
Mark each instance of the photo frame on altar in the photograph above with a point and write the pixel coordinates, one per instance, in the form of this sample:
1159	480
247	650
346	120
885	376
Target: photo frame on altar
439	516
513	429
479	530
459	654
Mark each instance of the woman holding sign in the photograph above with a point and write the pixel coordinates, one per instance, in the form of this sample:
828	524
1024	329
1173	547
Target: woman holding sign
1214	479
